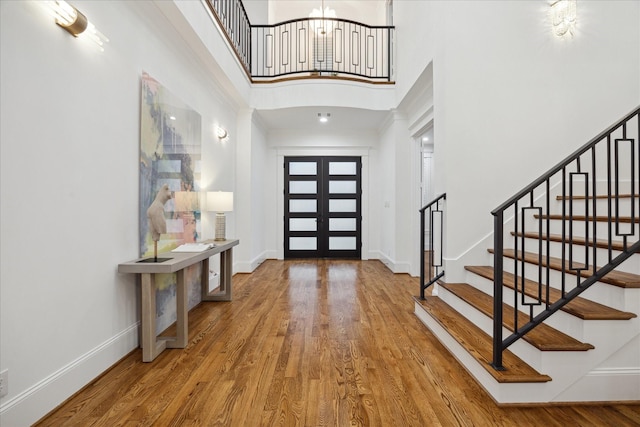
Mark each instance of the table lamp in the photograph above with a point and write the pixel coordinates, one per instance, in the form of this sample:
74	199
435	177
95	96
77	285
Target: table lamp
220	202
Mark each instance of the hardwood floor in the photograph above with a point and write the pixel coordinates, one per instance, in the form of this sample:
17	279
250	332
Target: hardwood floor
309	343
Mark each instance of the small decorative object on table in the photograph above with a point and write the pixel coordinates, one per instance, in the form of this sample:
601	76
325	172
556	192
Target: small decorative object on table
155	215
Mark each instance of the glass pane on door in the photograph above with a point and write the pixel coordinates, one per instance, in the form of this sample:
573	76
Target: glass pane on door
303	187
342	205
342	168
342	187
303	243
303	168
303	205
303	224
342	243
342	224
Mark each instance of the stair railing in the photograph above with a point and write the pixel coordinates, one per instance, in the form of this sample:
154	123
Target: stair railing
315	47
606	168
232	18
431	255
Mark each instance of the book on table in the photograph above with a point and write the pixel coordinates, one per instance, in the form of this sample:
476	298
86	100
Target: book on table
194	247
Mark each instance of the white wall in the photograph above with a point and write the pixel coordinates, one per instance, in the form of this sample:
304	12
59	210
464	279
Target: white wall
417	106
511	99
292	142
69	184
414	21
386	179
322	93
260	191
370	12
250	194
257	11
395	171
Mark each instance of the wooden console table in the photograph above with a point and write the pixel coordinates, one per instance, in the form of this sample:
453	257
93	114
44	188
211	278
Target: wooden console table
151	344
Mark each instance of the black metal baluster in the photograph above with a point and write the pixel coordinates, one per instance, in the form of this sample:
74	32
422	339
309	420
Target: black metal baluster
498	269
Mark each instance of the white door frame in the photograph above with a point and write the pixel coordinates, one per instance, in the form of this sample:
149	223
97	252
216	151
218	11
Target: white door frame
362	152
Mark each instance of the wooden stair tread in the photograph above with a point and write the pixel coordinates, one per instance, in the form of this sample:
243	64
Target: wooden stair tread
600	243
479	344
543	336
579	307
616	278
599	218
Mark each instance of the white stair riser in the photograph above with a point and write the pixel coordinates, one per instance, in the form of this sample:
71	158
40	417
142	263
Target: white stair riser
603	293
602	208
525	351
564	322
632	231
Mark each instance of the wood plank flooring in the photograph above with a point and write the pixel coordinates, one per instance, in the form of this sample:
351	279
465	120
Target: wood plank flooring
309	343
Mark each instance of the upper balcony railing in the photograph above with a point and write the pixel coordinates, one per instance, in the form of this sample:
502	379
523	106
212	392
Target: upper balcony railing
306	47
233	19
328	46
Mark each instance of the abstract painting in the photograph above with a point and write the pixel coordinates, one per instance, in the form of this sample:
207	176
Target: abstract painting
170	152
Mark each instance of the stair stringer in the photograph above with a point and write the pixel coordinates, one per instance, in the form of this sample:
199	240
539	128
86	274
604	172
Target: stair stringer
502	393
598	370
566	367
618	375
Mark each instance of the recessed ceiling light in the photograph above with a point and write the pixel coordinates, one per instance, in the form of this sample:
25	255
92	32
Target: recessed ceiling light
324	118
425	138
172	117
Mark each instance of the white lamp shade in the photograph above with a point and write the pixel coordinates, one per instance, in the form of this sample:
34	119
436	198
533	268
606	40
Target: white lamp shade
220	201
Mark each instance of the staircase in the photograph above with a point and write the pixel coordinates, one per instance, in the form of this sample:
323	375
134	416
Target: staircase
565	272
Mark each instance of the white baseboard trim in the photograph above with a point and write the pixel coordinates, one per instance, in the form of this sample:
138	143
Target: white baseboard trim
38	400
386	261
605	384
393	265
255	263
250	266
270	254
374	255
402	267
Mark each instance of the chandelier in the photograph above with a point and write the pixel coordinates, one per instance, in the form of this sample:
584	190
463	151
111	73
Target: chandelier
322	26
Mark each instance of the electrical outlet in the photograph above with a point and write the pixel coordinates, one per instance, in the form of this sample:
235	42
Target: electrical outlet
4	383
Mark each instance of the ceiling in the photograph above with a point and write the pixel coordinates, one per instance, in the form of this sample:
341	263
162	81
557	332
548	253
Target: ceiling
341	118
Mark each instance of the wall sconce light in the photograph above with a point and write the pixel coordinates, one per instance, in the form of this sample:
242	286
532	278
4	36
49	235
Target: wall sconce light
220	202
75	22
563	16
221	133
